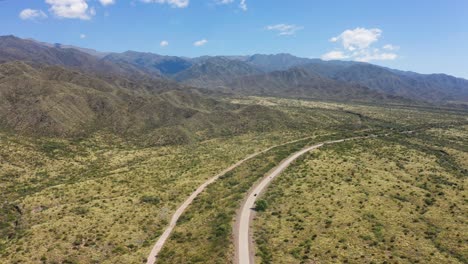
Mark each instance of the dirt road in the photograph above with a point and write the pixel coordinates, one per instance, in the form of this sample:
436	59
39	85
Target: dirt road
243	243
167	232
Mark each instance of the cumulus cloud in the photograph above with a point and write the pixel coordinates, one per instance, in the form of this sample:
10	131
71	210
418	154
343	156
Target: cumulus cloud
390	47
71	9
357	44
358	38
284	29
172	3
32	14
200	43
373	54
107	2
164	43
334	55
82	36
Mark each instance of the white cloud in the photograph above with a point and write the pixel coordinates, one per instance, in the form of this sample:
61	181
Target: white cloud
284	29
334	55
358	38
200	43
375	54
378	56
172	3
243	5
164	43
223	2
32	14
356	44
71	9
82	36
107	2
390	47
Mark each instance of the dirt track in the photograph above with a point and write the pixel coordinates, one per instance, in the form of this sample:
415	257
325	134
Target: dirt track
242	234
152	258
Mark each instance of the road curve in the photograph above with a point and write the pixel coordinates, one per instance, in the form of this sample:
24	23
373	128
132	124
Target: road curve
167	232
243	244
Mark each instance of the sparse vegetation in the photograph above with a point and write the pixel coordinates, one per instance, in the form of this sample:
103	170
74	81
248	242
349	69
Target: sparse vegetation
203	234
105	199
99	149
385	200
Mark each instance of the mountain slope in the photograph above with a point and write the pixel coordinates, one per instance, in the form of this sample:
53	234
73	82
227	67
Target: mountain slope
433	87
13	48
299	83
92	52
327	68
150	62
276	62
53	101
135	69
215	72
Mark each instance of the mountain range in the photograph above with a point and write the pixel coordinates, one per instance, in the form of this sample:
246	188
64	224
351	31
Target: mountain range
248	75
64	92
61	90
227	72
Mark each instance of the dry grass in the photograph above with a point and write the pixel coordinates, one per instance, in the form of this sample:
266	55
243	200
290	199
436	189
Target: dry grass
101	200
106	200
393	200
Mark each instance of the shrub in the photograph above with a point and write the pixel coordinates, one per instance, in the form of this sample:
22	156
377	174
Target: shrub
261	205
150	199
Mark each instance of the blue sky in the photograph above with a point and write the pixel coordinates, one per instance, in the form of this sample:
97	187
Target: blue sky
427	36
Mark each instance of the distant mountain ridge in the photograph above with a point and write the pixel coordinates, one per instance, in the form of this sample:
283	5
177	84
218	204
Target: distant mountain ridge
99	54
430	87
277	62
215	72
234	73
13	48
220	72
150	62
299	83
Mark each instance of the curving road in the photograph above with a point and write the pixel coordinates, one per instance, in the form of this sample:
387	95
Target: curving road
243	243
167	232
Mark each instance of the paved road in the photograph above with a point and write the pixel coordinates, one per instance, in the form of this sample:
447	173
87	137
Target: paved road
244	249
163	238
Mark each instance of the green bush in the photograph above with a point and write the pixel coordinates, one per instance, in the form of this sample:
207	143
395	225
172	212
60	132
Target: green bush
150	199
261	205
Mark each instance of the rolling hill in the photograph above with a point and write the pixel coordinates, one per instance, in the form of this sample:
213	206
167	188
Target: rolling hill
54	101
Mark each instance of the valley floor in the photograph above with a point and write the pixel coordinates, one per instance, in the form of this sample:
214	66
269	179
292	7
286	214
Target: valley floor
396	199
104	200
101	200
